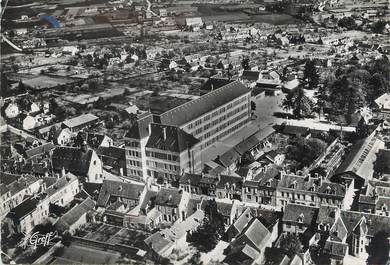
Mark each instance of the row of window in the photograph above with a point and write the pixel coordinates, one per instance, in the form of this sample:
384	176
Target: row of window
133	153
216	113
163	166
134	172
162	156
218	121
228	131
132	144
134	163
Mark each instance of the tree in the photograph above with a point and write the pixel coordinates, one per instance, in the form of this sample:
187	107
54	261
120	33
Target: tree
253	106
378	26
220	65
382	164
310	75
347	22
290	245
378	249
66	239
206	237
346	96
298	103
305	151
245	63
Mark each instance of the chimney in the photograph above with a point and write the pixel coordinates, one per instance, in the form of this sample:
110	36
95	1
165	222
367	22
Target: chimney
212	86
165	133
63	172
121	172
150	129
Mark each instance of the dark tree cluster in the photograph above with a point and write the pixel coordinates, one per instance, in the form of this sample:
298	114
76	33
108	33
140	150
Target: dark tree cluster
206	237
356	86
305	151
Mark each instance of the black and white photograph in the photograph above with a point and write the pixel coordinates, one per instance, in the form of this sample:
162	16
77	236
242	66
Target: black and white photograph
195	132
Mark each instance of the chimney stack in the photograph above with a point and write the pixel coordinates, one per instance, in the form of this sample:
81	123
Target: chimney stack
165	133
63	172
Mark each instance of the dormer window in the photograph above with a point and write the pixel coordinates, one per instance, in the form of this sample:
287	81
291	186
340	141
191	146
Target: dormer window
269	183
312	188
327	191
294	184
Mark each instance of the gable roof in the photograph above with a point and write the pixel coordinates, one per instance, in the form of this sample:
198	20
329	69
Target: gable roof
256	233
118	189
382	100
375	223
228	158
112	152
243	220
174	139
191	179
72	159
360	160
74	214
27	206
254	140
168	197
215	82
44	148
250	75
229	180
293	212
140	129
193	109
80	120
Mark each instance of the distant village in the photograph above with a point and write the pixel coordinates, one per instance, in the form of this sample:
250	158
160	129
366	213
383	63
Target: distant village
195	132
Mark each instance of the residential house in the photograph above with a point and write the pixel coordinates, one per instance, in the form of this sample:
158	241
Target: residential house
239	224
12	110
383	102
229	187
376	198
354	229
172	203
117	194
30	122
63	136
250	78
229	160
314	191
297	189
14	188
190	183
82	162
35	209
113	159
260	187
32	108
250	244
300	219
75	217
